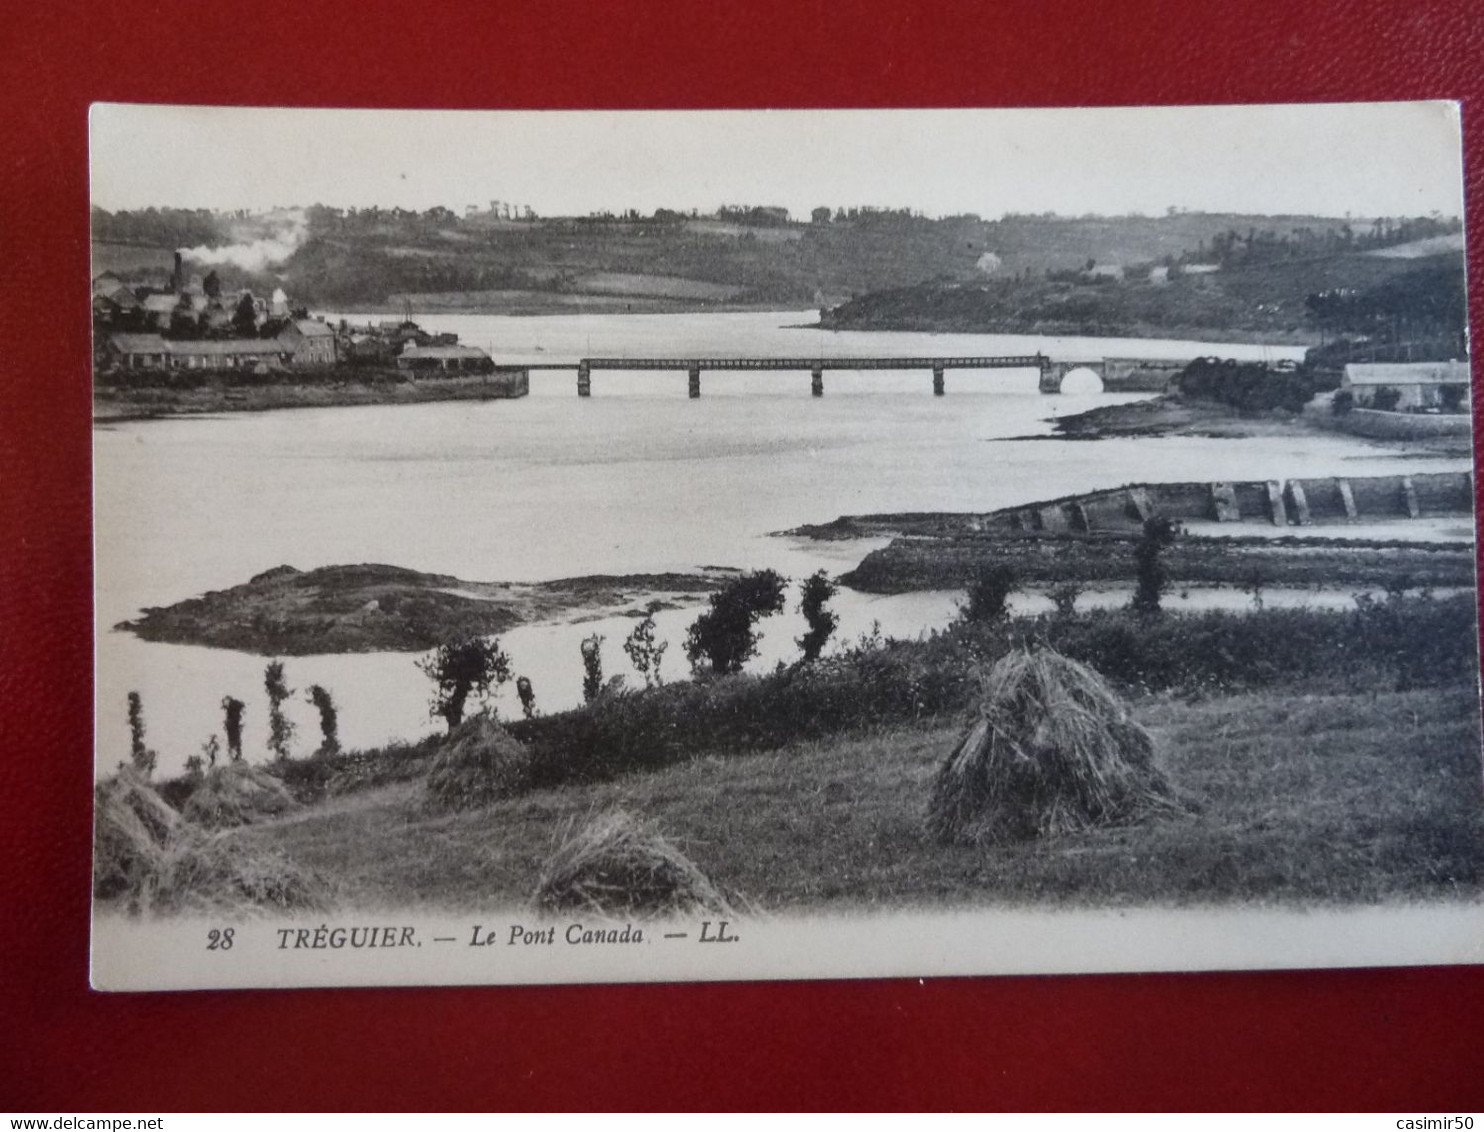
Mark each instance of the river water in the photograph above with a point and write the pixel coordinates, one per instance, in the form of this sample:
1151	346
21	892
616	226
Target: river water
637	478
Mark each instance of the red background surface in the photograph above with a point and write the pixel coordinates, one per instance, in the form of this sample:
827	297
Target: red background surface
1395	1039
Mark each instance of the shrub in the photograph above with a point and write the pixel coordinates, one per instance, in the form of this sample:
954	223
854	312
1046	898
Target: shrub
723	635
989	595
280	727
1343	402
140	755
460	669
815	593
617	867
1386	399
644	653
1064	597
477	763
329	720
232	709
1254	584
1054	752
527	696
592	667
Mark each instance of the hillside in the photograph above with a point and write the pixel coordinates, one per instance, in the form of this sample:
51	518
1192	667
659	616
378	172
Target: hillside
379	258
1271	300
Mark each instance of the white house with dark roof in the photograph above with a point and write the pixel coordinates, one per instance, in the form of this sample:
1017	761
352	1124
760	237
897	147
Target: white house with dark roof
1421	385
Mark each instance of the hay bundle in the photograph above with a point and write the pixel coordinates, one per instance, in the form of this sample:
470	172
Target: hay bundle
1055	752
201	872
131	824
477	764
151	861
237	794
616	866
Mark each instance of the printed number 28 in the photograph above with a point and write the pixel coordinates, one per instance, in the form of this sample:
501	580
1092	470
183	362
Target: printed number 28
219	940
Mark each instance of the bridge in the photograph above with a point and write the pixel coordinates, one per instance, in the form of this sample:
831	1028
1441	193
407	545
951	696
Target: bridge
1121	374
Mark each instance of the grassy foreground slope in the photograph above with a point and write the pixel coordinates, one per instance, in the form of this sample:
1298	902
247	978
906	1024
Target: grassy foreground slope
1333	798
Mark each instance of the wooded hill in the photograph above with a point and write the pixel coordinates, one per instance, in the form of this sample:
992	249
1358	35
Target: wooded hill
1299	301
370	258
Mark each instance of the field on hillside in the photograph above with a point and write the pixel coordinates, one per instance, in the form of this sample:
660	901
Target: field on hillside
1364	797
361	260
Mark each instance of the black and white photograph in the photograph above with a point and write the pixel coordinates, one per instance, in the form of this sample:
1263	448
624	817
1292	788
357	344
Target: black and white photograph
578	546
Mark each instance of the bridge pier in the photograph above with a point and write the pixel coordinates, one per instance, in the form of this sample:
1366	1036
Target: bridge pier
937	381
816	381
695	381
584	380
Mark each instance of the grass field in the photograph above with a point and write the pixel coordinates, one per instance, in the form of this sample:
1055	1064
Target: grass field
1299	798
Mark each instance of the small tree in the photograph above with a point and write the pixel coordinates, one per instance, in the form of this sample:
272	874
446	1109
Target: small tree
723	635
814	594
592	667
645	654
280	727
1152	577
232	708
527	696
140	755
210	750
1254	584
329	719
245	317
989	595
1064	597
462	668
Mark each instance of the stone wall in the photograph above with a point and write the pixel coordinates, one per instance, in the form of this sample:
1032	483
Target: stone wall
1390	426
1266	502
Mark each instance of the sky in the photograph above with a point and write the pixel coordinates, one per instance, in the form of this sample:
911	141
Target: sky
1365	159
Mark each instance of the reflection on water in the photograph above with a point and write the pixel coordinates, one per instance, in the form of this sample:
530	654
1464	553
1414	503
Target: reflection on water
636	479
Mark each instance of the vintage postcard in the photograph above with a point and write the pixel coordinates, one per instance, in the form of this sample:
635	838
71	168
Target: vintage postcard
604	546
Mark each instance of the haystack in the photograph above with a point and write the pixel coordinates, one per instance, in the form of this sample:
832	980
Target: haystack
616	866
477	764
131	824
237	794
199	872
151	861
1054	752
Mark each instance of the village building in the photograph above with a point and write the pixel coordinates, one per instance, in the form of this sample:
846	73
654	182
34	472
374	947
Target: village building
461	359
403	333
159	309
151	351
1419	385
368	349
136	351
309	341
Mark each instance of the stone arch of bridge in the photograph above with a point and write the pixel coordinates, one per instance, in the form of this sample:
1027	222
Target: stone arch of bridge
1074	377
